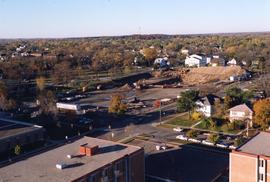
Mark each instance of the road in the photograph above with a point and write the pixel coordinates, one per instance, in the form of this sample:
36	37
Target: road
134	125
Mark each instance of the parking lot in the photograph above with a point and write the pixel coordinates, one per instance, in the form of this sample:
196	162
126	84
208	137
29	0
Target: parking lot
186	164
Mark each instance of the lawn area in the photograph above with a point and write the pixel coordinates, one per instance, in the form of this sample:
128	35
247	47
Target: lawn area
182	120
223	128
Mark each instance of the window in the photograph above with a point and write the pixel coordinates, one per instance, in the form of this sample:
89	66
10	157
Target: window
261	177
261	163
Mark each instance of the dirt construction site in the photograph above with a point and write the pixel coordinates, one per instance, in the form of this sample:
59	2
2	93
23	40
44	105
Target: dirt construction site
165	84
192	76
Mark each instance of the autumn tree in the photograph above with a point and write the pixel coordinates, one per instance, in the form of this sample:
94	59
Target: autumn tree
262	112
40	83
219	109
5	102
116	105
47	102
62	73
150	54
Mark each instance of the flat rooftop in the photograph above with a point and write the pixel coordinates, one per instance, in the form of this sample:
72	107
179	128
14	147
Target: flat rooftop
42	167
10	128
258	145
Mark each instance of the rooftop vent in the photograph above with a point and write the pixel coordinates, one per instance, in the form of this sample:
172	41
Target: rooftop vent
87	150
61	166
69	156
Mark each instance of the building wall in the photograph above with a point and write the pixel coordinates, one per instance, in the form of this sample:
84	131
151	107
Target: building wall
243	168
206	110
137	167
268	170
239	115
130	169
30	137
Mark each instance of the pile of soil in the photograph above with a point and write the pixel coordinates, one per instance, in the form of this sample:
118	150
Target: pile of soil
126	87
211	74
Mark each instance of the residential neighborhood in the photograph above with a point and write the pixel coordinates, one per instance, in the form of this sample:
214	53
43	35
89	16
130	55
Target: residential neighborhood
134	91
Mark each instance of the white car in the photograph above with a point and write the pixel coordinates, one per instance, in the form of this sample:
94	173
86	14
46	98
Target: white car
194	140
207	143
178	129
161	147
181	137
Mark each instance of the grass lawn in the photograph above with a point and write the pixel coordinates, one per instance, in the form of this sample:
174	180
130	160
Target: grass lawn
222	128
182	120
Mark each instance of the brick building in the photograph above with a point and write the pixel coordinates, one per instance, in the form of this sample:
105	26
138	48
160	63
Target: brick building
13	133
85	160
251	161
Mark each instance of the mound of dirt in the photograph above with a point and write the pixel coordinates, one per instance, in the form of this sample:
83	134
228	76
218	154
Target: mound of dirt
126	87
211	74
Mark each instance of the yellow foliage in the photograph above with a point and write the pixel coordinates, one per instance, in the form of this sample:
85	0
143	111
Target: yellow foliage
262	112
116	105
196	116
40	83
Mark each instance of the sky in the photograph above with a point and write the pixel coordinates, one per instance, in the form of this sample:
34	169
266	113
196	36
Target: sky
87	18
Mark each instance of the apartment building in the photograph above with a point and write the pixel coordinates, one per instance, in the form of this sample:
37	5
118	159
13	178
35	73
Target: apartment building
85	160
251	161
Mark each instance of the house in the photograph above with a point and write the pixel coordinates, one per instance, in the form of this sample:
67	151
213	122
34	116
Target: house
86	159
197	60
240	112
251	161
217	61
206	104
232	62
185	51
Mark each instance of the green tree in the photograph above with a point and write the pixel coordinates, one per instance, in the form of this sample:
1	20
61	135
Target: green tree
187	100
17	150
235	96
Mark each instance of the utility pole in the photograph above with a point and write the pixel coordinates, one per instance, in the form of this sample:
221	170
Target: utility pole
160	112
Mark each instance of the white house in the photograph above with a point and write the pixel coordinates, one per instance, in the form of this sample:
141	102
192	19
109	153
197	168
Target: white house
198	60
185	51
206	104
240	112
232	62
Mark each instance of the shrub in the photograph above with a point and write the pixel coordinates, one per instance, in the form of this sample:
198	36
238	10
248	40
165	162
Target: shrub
213	138
196	116
191	133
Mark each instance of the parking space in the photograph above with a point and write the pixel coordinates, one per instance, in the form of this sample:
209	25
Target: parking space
186	164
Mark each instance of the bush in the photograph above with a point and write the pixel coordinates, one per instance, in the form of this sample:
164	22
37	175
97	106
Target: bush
206	123
213	138
191	133
196	116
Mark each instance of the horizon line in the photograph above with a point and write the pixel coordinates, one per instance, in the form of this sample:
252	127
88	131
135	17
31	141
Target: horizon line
130	35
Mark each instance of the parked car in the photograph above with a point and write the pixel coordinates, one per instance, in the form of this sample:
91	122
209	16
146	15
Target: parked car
207	143
161	147
178	129
182	137
85	121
